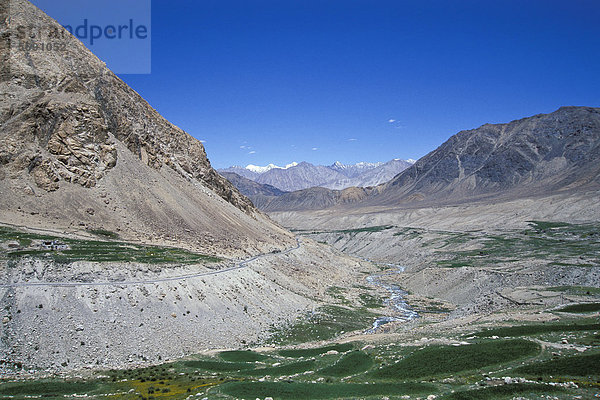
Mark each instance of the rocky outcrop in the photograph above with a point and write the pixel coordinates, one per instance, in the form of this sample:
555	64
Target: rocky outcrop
79	149
541	155
61	111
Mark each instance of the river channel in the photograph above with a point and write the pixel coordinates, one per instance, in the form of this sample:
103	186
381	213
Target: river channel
395	300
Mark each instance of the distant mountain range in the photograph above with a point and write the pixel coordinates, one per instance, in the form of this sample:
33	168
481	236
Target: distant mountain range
535	156
304	175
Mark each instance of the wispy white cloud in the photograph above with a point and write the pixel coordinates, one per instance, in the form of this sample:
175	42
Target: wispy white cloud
315	148
395	123
252	152
202	141
242	147
352	140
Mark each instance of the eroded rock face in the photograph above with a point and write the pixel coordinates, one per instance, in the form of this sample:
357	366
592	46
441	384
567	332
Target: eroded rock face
61	112
545	154
60	142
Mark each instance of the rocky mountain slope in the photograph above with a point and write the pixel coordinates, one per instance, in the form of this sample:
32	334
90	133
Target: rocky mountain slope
542	154
354	170
79	149
302	176
378	174
250	188
537	156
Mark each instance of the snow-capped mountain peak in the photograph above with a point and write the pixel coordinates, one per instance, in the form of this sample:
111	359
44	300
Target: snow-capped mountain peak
261	170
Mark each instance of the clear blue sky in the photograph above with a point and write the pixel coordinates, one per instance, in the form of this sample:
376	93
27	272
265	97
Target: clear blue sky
319	80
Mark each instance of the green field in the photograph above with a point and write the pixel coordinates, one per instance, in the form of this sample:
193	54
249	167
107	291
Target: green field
349	370
527	330
559	243
448	360
581	308
94	250
508	392
576	366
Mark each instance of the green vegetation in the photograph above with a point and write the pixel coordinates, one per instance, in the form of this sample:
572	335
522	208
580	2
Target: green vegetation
241	356
576	366
544	225
526	330
47	388
410	233
559	243
338	293
350	364
581	308
448	360
327	323
373	372
371	229
370	300
306	390
576	290
31	245
218	366
505	392
297	353
288	369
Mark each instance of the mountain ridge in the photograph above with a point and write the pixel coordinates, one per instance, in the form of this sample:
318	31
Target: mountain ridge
529	157
298	176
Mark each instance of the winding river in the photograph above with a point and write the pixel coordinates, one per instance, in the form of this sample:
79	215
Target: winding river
396	300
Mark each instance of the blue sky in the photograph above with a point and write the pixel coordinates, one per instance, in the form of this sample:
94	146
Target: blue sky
278	81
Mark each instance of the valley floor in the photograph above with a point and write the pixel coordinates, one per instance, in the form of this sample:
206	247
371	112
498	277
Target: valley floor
503	313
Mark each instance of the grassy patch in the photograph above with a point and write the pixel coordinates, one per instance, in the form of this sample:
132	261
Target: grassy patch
543	225
288	369
349	364
218	366
47	388
576	290
525	330
447	360
241	356
581	308
338	293
370	301
327	323
302	390
453	264
559	243
371	229
96	250
297	353
504	392
579	366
